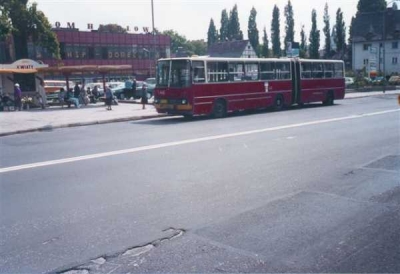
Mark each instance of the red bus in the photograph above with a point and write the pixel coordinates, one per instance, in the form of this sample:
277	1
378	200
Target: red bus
217	86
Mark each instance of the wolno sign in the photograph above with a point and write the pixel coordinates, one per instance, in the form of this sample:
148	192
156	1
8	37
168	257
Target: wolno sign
71	25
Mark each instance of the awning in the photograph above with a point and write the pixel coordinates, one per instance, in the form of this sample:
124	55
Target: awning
88	68
24	71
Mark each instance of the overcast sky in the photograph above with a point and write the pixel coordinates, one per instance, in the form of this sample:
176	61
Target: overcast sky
188	17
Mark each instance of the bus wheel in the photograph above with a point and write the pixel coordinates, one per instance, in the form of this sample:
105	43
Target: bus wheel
219	110
329	101
279	103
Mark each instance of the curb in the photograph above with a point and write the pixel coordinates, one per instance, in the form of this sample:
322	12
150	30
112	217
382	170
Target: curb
370	95
47	128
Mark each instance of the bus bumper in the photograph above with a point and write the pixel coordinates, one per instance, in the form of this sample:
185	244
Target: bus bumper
174	109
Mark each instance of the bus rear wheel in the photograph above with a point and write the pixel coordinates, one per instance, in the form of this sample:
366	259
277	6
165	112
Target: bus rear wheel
279	103
330	99
219	110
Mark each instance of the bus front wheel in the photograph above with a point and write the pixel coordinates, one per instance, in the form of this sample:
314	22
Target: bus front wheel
279	103
329	101
219	110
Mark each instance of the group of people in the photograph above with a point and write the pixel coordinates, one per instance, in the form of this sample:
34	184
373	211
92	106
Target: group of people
41	97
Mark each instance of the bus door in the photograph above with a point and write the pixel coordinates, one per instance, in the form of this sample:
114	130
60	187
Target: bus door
296	81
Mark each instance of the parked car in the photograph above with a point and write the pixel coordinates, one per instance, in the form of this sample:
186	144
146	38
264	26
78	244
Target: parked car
349	81
151	84
394	80
123	93
378	80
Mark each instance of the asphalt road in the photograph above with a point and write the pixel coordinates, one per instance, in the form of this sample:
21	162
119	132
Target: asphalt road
304	190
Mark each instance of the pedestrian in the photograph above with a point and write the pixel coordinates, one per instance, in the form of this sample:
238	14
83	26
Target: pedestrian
71	98
77	91
17	97
42	94
144	96
109	98
133	88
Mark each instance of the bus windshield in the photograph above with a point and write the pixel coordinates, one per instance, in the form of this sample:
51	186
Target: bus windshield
175	73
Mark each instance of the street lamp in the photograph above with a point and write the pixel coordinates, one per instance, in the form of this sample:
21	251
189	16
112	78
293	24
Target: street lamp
154	33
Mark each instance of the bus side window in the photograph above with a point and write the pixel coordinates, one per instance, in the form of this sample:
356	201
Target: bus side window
283	70
251	71
267	71
339	71
329	70
318	70
198	72
306	70
236	72
217	72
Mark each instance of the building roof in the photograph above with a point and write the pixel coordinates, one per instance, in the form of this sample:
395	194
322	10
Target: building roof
233	49
370	26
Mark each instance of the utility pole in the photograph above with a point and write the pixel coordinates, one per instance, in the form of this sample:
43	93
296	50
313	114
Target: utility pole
154	36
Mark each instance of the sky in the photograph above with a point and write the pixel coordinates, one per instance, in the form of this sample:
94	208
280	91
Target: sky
190	18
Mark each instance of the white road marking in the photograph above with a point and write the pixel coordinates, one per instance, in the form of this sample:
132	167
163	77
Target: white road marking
185	142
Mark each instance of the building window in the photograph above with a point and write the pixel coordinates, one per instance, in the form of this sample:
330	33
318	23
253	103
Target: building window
394	60
366	61
395	45
366	47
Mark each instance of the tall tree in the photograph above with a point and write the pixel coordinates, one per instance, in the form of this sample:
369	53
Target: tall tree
276	33
314	37
327	32
252	30
340	32
212	35
289	37
223	31
371	5
264	52
303	43
234	32
26	22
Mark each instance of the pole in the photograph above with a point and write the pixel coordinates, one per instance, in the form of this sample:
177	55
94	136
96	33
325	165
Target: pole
154	35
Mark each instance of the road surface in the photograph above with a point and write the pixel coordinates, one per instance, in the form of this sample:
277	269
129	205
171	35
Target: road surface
304	190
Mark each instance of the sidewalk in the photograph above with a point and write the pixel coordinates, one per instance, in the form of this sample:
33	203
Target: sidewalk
12	122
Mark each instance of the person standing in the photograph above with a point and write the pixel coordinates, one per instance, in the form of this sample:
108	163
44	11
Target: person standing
133	88
77	91
144	96
42	94
109	98
17	97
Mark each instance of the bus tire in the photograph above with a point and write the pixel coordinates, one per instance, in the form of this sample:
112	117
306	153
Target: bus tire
330	99
219	110
279	103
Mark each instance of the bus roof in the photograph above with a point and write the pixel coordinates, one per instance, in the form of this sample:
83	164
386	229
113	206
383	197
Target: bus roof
216	59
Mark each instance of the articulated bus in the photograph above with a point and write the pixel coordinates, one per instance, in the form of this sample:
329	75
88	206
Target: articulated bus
217	86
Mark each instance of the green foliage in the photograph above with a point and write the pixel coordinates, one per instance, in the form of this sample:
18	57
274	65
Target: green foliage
340	38
212	34
275	33
252	31
265	46
223	32
234	32
23	22
289	15
327	32
195	47
371	5
303	43
314	37
112	28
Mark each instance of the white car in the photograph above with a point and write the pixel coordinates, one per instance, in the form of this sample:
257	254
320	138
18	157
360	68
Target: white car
348	81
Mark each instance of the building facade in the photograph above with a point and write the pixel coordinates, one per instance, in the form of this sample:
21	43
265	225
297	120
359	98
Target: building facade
376	42
103	48
232	49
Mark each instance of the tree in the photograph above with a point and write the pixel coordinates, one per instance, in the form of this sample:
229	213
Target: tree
289	37
234	32
26	22
264	52
212	35
275	33
371	5
303	43
112	28
196	47
340	32
314	37
327	32
253	30
223	31
177	40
